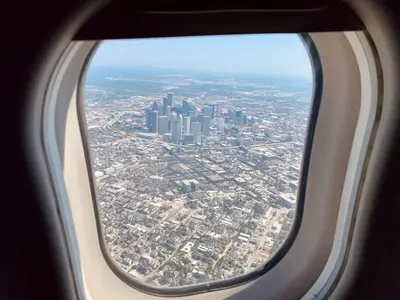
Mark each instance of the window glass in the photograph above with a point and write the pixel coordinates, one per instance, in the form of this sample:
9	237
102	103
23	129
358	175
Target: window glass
197	148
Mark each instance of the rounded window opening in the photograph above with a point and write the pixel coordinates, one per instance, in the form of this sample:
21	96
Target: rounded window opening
197	149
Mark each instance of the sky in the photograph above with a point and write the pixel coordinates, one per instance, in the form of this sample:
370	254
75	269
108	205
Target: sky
253	54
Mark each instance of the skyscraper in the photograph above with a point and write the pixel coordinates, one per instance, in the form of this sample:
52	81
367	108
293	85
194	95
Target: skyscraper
148	116
192	114
217	110
244	120
186	125
187	107
208	111
239	117
163	124
176	129
169	99
153	126
205	125
195	128
156	107
165	105
168	110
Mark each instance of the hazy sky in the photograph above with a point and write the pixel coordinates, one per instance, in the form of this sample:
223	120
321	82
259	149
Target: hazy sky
267	53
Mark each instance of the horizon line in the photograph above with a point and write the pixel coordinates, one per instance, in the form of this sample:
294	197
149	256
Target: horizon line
308	76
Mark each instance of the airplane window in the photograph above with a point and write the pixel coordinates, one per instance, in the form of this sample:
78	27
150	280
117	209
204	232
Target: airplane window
197	146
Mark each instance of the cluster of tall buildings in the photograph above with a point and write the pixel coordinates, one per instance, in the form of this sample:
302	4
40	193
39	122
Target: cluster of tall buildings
241	118
182	122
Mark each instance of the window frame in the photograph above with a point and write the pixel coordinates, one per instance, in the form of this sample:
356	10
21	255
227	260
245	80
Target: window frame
364	138
73	213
